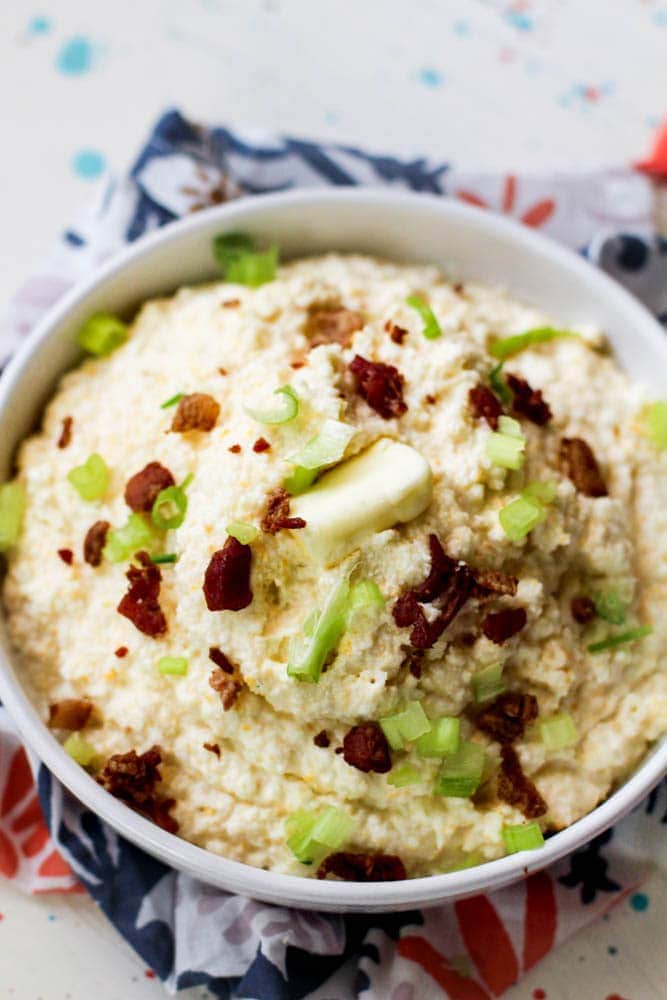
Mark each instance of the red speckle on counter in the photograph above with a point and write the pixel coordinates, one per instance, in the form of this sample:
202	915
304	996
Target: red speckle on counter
539	995
149	974
121	652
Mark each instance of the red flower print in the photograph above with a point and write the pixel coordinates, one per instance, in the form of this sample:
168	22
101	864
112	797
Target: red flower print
536	215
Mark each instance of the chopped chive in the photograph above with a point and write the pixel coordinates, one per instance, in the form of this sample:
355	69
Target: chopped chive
79	750
431	328
172	401
326	448
620	639
654	421
122	543
170	506
166	557
461	772
101	334
558	731
12	506
520	516
487	683
499	385
308	653
176	666
286	409
91	479
403	775
522	837
442	738
509	346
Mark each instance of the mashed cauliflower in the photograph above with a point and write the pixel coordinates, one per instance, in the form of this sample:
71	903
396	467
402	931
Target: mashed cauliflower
237	773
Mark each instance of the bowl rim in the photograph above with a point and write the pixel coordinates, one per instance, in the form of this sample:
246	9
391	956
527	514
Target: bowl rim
235	876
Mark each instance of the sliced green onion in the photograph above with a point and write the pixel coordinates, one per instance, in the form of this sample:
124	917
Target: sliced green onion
510	427
545	492
610	607
101	334
170	507
505	450
442	738
12	506
166	557
403	775
327	447
300	480
487	683
242	532
176	666
412	722
620	639
523	837
499	385
286	409
122	543
558	731
242	263
308	833
299	827
364	594
509	346
79	750
228	247
333	827
470	860
654	420
461	772
91	479
521	516
172	401
308	653
431	328
392	731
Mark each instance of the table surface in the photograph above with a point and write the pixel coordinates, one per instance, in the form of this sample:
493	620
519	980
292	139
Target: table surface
484	83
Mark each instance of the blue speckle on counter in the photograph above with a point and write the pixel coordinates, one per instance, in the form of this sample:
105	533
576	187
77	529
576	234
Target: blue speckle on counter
75	56
519	20
461	28
639	902
660	18
88	163
331	117
430	77
39	25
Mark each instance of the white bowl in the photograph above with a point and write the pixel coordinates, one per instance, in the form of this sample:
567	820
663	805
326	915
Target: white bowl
413	228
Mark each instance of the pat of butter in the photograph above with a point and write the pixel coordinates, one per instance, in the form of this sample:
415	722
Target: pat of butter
389	483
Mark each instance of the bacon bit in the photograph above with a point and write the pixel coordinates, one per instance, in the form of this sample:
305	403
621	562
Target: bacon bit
277	513
583	609
70	713
484	403
227	578
94	542
140	604
196	412
213	748
222	371
459	288
227	687
506	718
132	777
528	402
231	304
260	445
297	364
502	625
142	489
515	788
218	657
579	464
235	449
363	867
449	583
412	661
66	555
332	324
431	400
492	582
65	432
397	333
322	739
380	385
365	747
121	652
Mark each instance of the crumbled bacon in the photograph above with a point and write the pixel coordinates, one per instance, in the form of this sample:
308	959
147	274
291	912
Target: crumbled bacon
297	364
67	556
502	625
489	582
133	777
277	514
222	371
121	652
231	304
516	788
322	739
413	661
260	445
229	688
65	432
140	604
528	402
506	718
142	489
430	399
218	657
235	449
70	713
213	748
365	747
380	385
332	324
227	578
485	404
94	542
196	412
397	333
363	867
579	464
583	609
